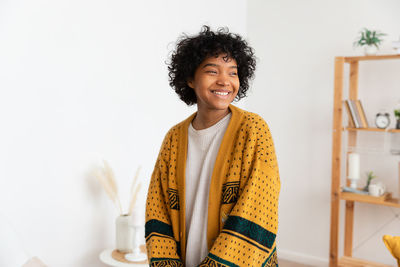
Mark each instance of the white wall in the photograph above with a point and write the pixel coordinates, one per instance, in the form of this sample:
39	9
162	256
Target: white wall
82	81
296	42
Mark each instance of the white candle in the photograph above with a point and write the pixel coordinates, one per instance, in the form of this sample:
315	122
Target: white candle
354	166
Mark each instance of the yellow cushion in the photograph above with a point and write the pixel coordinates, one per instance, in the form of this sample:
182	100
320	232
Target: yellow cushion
393	245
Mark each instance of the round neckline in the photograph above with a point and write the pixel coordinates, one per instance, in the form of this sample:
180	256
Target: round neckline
212	127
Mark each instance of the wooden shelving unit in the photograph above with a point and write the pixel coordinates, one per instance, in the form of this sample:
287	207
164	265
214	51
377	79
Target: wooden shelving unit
336	195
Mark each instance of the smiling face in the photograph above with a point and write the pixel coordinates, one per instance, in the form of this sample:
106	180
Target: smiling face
216	83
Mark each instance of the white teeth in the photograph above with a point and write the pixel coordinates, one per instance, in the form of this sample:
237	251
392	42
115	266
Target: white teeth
220	93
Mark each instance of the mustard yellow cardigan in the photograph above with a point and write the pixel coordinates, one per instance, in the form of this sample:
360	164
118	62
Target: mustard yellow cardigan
243	197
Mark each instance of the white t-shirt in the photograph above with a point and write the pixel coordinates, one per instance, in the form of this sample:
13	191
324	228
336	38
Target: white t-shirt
203	146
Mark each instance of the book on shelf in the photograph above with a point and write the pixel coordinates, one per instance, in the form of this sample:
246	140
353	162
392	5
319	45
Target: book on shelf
360	110
352	123
357	114
355	110
353	118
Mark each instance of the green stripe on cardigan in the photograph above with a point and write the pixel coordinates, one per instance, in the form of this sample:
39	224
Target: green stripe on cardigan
251	230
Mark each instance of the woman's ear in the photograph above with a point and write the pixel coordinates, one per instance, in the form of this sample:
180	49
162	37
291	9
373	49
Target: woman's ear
190	83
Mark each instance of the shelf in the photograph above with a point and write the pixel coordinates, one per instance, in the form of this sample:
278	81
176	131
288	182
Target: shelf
384	200
353	262
363	58
373	130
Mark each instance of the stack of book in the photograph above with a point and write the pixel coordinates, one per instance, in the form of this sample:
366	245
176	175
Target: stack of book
357	118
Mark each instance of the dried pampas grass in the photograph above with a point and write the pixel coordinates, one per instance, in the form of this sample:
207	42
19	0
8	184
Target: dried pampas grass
134	191
106	177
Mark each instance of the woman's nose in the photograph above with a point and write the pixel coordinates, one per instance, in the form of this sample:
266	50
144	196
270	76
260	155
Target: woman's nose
223	80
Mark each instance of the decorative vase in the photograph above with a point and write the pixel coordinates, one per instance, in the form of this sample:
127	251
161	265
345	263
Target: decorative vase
124	233
398	124
370	50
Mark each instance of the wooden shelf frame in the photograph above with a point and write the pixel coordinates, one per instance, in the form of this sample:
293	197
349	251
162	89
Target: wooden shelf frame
353	262
365	58
388	201
336	194
373	130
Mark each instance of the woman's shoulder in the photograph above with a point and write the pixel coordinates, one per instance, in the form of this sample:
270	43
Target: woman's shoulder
250	119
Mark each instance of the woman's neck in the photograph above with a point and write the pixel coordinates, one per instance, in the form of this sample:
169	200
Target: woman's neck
207	119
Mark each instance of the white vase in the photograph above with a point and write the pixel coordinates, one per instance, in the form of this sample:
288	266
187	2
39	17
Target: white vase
370	50
124	233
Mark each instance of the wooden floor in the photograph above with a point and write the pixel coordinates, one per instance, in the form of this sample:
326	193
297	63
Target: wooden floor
285	263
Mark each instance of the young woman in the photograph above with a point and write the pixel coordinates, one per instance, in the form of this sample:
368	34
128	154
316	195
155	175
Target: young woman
213	195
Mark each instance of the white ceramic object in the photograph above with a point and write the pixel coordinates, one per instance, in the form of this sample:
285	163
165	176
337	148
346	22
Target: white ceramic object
136	255
353	169
370	50
376	190
124	233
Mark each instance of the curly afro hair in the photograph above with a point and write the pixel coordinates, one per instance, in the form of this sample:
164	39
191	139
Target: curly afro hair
192	51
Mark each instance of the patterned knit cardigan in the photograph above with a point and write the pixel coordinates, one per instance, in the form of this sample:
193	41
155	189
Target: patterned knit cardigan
243	198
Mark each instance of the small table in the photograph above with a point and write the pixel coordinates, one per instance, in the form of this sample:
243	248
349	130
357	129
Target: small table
115	258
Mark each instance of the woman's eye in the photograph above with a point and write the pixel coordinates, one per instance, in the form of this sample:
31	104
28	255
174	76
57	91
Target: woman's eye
211	71
233	73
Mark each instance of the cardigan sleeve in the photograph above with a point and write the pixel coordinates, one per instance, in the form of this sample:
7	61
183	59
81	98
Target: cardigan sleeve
162	248
248	235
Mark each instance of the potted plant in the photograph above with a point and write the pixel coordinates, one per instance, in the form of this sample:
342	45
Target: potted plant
397	115
370	176
370	40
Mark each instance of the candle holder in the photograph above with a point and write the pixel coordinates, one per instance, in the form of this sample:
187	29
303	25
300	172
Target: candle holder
136	254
